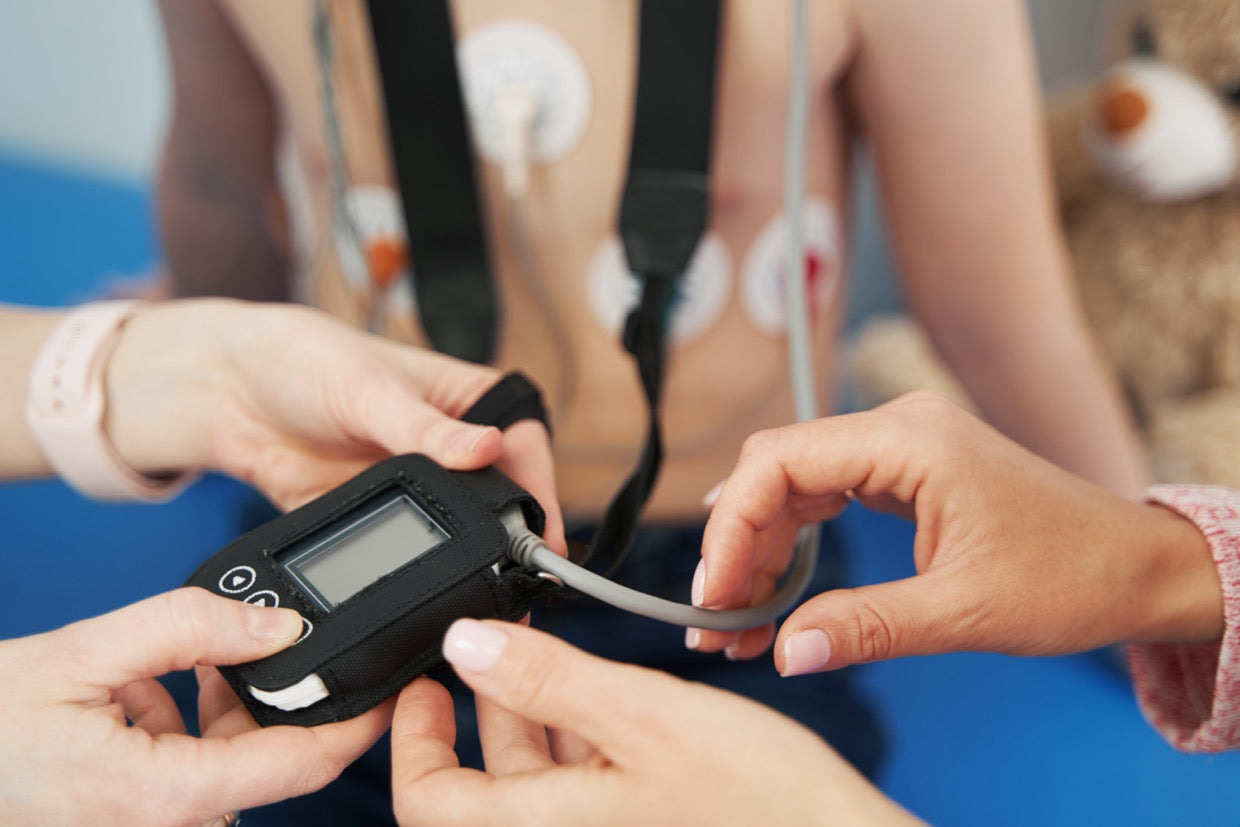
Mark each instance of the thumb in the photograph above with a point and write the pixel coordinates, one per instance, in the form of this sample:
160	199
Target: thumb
171	632
612	706
919	615
390	411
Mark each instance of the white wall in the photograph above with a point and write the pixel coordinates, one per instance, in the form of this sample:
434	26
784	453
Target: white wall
83	83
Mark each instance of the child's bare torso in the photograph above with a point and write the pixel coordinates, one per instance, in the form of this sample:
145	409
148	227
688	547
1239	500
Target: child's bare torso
727	366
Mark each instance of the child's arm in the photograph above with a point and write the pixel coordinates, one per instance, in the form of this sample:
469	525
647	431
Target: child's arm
947	94
221	215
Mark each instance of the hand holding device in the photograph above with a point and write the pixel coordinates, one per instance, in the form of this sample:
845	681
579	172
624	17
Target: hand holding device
296	402
382	565
68	757
1013	554
668	752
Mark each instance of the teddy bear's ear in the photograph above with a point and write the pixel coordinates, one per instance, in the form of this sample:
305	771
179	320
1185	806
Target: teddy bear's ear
1141	39
1130	31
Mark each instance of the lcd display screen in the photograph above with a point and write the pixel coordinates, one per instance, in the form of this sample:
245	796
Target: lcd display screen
333	566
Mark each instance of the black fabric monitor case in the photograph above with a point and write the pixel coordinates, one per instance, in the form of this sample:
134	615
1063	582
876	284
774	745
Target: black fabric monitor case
663	212
378	640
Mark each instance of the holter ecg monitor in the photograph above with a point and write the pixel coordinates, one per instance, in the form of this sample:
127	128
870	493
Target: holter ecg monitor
378	569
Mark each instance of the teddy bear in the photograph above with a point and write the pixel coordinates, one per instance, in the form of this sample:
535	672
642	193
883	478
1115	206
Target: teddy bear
1146	160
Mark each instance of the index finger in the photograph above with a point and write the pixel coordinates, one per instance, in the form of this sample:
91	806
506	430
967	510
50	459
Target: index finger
749	507
178	630
827	459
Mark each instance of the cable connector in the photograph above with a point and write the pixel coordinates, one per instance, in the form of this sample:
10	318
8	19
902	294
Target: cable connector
522	543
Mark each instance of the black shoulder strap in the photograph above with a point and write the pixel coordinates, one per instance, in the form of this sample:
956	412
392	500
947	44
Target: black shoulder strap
431	149
663	213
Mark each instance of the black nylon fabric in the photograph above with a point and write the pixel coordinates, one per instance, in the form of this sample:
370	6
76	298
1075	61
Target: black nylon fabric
663	213
362	677
431	150
513	398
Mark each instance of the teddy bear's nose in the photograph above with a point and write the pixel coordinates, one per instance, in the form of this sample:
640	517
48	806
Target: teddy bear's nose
1123	109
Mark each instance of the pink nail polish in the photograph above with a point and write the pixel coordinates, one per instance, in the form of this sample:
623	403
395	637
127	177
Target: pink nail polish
474	646
699	583
693	638
806	651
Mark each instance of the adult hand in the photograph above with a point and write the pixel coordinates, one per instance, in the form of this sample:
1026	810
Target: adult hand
668	752
68	757
296	402
1013	554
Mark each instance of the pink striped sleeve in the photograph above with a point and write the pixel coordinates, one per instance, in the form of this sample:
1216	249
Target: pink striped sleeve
1191	693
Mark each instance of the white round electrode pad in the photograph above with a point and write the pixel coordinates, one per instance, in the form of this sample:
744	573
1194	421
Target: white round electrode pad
498	55
762	277
705	288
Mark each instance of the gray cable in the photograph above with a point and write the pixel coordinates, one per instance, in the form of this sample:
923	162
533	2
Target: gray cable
526	548
799	351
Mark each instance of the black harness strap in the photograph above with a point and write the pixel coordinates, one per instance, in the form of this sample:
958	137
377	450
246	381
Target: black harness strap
510	400
663	213
456	296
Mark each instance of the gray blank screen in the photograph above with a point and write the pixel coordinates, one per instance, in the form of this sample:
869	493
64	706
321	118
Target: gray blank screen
350	559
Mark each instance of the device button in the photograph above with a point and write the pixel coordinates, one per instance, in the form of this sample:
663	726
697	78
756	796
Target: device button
264	598
306	628
237	579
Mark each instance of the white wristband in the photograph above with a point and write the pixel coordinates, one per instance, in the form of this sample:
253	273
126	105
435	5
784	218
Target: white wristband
66	404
